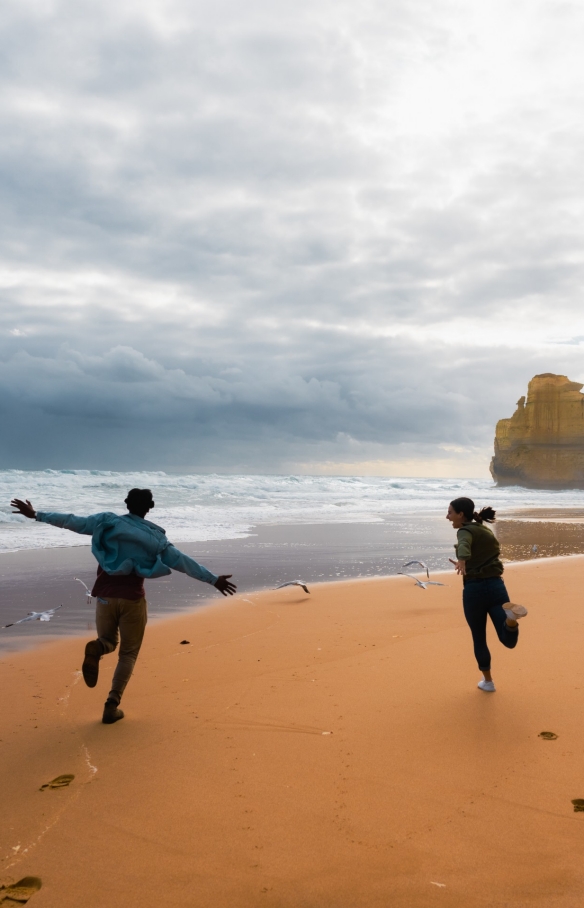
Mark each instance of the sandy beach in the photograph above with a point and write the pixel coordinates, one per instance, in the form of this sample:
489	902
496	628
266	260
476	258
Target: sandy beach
308	750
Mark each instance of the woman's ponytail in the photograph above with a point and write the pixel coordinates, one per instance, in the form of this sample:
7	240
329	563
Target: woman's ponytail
466	506
485	515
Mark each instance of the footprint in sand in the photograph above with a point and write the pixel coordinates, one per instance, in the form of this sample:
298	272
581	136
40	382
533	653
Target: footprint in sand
18	893
578	805
547	735
59	782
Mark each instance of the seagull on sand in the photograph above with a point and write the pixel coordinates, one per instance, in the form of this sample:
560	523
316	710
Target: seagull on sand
421	563
293	583
36	616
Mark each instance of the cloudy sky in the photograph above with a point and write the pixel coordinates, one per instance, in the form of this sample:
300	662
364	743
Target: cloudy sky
312	236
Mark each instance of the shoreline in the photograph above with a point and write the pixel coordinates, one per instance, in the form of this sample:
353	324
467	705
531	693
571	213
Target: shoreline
213	601
315	553
38	640
320	750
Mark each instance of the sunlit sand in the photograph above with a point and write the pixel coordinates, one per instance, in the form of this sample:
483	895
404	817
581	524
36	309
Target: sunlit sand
323	750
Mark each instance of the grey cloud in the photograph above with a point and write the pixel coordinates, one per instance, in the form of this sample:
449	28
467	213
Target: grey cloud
77	409
214	212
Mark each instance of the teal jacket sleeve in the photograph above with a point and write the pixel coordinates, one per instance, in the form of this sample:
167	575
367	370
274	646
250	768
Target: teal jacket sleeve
84	525
464	545
178	561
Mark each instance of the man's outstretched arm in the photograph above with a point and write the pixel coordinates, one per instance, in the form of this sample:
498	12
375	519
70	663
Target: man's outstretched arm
23	507
83	525
178	561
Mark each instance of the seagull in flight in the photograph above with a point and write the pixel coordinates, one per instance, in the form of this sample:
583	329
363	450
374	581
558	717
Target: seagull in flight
87	590
36	616
422	583
293	583
421	563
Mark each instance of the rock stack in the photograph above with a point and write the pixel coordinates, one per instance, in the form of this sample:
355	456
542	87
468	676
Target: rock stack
542	445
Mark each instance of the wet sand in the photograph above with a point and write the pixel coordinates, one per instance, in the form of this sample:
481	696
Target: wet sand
553	514
551	537
329	749
40	579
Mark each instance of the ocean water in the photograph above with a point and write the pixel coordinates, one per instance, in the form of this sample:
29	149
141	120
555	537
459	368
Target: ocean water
198	508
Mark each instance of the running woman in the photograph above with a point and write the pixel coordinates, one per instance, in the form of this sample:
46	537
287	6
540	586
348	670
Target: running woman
477	560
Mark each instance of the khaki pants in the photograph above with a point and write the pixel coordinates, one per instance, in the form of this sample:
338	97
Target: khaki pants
123	619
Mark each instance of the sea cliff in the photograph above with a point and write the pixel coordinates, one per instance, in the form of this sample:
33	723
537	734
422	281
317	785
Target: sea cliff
542	444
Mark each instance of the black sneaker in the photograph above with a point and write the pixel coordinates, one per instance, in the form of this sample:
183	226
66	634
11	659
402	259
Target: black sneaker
111	712
90	667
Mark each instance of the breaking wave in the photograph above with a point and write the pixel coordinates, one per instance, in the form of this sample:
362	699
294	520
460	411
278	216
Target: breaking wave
200	507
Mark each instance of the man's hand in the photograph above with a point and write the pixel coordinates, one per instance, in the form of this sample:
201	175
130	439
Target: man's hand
460	566
23	507
224	586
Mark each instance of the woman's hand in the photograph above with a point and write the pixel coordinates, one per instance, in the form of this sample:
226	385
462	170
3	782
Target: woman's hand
460	566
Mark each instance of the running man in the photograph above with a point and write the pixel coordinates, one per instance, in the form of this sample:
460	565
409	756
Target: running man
484	593
128	549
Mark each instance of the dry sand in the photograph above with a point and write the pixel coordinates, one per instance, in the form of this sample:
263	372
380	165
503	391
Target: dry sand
305	751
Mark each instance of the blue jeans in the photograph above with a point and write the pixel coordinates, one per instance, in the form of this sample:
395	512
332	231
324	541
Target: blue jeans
479	599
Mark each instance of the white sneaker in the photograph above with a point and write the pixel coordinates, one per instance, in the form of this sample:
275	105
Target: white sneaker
515	612
486	685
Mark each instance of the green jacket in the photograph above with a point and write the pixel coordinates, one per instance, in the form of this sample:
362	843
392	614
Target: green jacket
479	547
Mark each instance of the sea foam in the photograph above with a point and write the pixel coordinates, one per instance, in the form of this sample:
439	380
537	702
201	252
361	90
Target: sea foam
201	507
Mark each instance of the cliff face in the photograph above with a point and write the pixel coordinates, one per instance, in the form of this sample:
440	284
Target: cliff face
542	445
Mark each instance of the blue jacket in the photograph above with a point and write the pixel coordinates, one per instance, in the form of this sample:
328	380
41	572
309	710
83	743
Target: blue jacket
122	544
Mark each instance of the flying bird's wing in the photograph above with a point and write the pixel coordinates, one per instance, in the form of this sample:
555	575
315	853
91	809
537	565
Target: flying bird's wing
434	583
293	583
421	563
30	617
87	590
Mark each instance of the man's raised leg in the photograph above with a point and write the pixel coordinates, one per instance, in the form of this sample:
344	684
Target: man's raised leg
106	621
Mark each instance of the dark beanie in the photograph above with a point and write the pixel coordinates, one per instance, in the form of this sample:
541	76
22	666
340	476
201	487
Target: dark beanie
139	500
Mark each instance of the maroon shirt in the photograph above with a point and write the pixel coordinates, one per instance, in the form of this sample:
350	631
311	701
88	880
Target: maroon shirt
118	586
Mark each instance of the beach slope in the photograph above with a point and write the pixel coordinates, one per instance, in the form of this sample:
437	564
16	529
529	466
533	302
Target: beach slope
329	749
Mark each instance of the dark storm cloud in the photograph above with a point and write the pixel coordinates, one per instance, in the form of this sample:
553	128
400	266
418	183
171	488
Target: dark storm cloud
281	230
81	408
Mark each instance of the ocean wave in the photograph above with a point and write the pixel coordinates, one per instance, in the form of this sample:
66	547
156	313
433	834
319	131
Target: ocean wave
204	507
